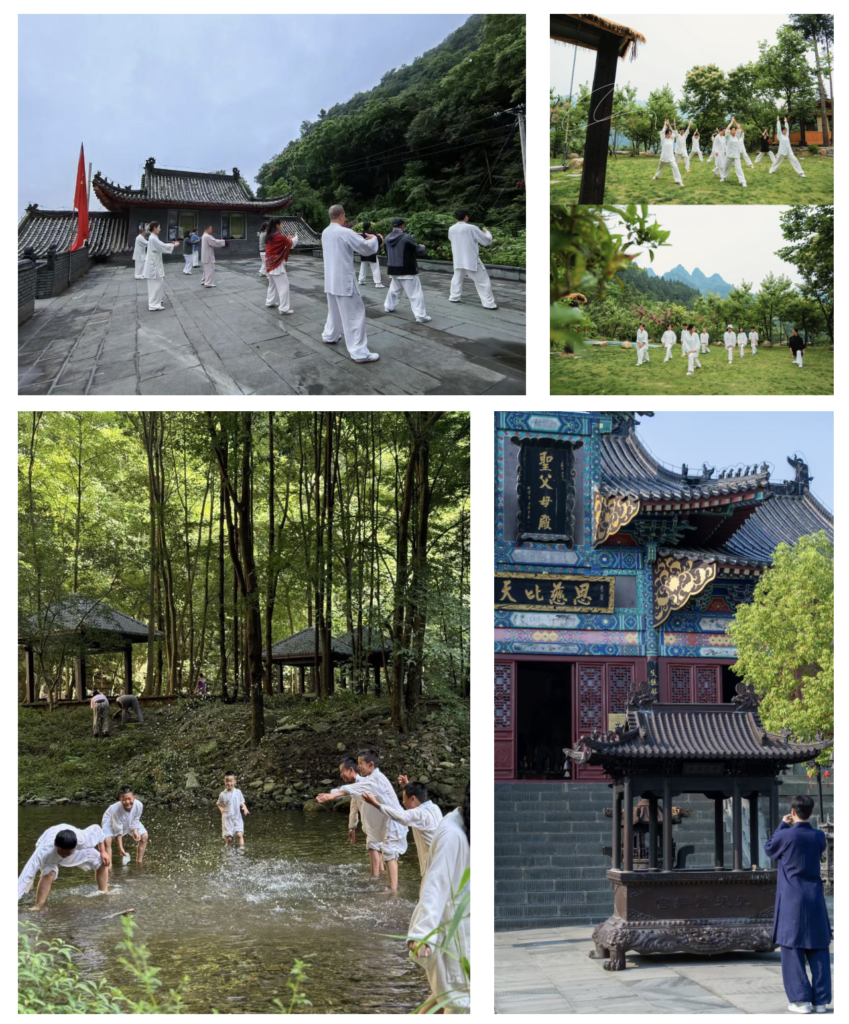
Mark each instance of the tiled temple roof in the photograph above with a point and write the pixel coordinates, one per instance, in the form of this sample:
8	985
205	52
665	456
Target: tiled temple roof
785	517
87	616
43	228
371	641
302	645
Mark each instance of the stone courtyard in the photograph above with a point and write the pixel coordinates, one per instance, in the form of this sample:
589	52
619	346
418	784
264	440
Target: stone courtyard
99	338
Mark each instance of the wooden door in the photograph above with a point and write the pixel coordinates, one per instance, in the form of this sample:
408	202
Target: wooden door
505	720
691	682
600	689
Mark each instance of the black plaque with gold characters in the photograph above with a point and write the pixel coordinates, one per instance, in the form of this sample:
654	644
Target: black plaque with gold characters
542	592
546	490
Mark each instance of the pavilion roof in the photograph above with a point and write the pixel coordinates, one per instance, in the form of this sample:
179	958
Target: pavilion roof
90	618
586	29
43	228
786	517
372	642
301	646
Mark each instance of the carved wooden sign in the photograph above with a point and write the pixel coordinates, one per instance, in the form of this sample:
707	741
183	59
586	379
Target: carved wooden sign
546	491
550	593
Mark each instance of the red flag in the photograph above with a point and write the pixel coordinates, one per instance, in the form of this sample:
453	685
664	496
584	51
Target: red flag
81	204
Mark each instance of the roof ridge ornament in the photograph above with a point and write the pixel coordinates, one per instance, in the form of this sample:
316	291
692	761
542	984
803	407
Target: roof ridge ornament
746	699
640	695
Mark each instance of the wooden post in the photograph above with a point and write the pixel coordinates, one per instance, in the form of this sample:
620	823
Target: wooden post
737	825
616	854
754	845
128	668
718	833
79	678
652	830
279	676
667	823
377	680
598	131
628	824
772	824
30	661
301	671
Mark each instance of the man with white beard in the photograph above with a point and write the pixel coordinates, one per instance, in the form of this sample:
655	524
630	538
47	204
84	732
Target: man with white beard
667	154
668	341
741	341
139	253
346	313
753	338
785	150
733	154
642	345
730	339
690	345
704	338
681	144
466	240
154	268
208	243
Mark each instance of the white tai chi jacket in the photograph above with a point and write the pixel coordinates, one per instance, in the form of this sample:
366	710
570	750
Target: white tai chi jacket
441	890
718	148
681	141
733	146
689	342
119	822
667	148
686	337
742	339
153	265
207	244
466	240
338	245
668	339
695	145
642	338
423	820
753	337
231	820
139	249
377	784
46	858
784	146
730	339
704	337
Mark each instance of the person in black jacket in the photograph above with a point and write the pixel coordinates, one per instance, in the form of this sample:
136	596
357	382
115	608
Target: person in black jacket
187	252
765	148
401	252
797	347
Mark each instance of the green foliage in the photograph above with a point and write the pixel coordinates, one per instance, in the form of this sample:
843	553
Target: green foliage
785	638
810	230
703	98
813	149
295	982
637	281
783	71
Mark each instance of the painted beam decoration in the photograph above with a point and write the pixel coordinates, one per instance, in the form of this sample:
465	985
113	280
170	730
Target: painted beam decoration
610	513
675	581
546	491
553	593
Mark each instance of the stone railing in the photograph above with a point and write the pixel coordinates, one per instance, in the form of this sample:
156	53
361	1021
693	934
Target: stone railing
26	289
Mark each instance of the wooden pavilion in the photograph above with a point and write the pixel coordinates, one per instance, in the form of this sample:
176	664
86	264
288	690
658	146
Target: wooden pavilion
375	650
612	42
299	651
81	626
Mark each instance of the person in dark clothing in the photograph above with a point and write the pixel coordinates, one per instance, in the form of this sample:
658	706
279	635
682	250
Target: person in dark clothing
797	347
128	702
372	260
801	928
765	148
401	265
188	249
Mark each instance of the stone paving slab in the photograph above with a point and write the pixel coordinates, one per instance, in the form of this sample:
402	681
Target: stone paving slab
99	338
547	970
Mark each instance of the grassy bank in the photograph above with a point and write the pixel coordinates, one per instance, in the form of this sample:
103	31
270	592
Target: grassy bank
614	371
181	753
629	180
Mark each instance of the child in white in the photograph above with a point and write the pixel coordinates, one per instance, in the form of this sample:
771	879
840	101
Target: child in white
730	339
741	341
785	150
681	144
690	345
733	154
668	341
420	813
704	338
753	338
667	154
695	148
231	803
123	818
88	852
642	346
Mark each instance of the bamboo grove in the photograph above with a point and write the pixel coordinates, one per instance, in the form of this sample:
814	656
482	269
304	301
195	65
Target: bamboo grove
228	531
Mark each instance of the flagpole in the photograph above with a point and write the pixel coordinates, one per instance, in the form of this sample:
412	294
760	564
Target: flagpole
89	183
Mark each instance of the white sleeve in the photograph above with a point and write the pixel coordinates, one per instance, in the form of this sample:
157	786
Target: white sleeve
411	817
31	868
481	237
106	822
353	814
365	247
435	892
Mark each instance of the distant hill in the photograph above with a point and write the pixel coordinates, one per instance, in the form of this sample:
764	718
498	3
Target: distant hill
697	280
658	288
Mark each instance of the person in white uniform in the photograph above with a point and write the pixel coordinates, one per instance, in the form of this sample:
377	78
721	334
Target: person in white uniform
744	155
668	340
730	340
718	152
667	154
420	814
261	235
346	314
232	805
370	261
695	148
753	339
69	847
681	152
278	247
393	839
208	244
123	818
139	253
733	155
690	346
704	339
642	345
154	268
369	818
403	269
741	341
445	893
466	240
785	150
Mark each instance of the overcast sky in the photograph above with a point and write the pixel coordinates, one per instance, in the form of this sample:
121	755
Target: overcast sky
206	92
724	438
736	242
674	44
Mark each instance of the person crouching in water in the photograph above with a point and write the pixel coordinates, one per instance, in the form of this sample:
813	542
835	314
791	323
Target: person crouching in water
401	265
370	261
278	246
123	818
154	268
68	847
690	347
801	925
232	805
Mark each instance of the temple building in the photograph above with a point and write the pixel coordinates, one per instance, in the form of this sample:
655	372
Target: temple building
612	571
179	200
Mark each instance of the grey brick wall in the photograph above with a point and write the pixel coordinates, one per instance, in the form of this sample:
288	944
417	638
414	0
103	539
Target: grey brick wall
26	289
238	248
60	271
78	264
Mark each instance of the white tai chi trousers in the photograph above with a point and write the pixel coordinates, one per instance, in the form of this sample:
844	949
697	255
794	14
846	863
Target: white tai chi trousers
794	163
278	288
704	348
346	315
693	362
734	161
668	353
155	292
195	258
139	269
642	355
799	358
742	349
759	157
719	165
698	153
413	287
375	271
686	158
208	273
748	159
187	268
482	283
262	271
754	347
730	350
676	174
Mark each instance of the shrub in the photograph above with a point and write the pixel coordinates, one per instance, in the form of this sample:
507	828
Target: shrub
813	149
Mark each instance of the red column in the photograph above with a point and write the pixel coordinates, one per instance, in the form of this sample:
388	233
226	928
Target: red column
505	720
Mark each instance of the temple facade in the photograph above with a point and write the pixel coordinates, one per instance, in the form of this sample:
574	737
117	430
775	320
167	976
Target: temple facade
613	570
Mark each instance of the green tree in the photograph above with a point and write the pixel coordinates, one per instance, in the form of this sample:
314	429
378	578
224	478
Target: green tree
661	105
783	69
816	28
770	305
785	638
750	100
810	230
703	98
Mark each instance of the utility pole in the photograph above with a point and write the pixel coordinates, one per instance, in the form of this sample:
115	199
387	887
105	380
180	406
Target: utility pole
520	117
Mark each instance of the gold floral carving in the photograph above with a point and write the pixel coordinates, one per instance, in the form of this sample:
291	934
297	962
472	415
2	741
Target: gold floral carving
675	581
610	513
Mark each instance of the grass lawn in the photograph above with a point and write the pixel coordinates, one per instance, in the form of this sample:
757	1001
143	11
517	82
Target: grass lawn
614	371
629	180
